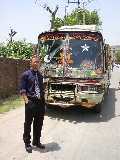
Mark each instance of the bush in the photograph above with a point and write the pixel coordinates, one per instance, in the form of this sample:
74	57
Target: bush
17	49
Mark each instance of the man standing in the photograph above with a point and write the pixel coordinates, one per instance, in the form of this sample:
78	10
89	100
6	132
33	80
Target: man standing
32	90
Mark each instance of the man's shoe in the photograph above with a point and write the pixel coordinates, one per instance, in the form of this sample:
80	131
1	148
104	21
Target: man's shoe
38	144
28	148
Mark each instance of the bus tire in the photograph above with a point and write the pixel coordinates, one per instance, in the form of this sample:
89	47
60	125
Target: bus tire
98	108
48	105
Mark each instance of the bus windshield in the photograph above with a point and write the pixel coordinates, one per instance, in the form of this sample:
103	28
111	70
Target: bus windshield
80	52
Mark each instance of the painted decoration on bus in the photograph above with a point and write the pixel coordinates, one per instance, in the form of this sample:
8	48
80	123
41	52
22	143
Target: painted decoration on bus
80	53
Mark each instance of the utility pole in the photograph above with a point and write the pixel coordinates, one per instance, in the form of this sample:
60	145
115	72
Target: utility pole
83	13
11	35
83	9
75	1
66	14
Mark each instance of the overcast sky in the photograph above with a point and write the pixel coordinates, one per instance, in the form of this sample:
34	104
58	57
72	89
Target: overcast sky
29	19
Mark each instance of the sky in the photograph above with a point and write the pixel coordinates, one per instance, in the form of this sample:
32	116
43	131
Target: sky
29	18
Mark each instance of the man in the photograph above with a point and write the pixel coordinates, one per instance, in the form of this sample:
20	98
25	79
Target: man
32	90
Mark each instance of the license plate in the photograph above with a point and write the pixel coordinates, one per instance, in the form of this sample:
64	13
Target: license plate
63	102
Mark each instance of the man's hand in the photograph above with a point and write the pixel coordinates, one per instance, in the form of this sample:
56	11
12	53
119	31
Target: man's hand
25	97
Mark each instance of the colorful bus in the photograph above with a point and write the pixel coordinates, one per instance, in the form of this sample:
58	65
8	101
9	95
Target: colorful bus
75	68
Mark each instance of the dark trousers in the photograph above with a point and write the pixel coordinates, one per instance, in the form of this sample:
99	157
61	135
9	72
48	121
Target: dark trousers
34	112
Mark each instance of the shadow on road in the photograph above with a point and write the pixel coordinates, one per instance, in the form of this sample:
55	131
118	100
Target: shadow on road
49	147
78	114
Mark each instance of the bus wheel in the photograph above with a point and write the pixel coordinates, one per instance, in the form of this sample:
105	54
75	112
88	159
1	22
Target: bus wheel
48	106
98	108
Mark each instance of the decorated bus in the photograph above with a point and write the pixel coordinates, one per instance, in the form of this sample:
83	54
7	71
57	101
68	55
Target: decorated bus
76	69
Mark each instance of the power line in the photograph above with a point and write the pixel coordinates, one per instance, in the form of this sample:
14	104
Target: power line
109	26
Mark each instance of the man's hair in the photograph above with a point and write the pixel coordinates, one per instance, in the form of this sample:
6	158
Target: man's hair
34	56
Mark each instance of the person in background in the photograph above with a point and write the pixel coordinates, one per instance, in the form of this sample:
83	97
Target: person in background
32	90
119	85
112	65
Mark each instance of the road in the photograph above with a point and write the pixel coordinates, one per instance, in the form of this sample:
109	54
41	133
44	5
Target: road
68	134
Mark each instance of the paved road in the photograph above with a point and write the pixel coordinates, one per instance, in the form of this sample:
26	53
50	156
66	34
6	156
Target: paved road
68	134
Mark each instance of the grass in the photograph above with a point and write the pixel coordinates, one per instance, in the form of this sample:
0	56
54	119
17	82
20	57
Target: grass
11	105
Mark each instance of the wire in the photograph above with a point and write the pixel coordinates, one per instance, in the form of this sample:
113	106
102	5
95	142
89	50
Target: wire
108	26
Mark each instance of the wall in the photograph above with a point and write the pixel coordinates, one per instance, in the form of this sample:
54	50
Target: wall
10	74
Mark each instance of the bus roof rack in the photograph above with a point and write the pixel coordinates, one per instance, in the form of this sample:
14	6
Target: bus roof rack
92	28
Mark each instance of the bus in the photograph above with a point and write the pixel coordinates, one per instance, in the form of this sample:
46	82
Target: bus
76	69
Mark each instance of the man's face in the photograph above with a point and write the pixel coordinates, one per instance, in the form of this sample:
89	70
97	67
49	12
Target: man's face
35	63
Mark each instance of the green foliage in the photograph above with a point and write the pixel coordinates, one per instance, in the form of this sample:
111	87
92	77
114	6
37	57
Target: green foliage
17	49
12	104
117	56
58	22
43	54
95	19
90	18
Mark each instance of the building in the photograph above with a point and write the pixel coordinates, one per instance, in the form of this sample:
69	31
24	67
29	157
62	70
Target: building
114	49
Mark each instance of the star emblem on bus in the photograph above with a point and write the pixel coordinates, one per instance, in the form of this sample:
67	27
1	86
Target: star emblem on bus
85	47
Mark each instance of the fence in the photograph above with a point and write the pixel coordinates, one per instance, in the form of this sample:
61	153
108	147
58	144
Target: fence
10	74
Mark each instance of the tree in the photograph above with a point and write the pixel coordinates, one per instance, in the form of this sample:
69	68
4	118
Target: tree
17	49
53	13
76	17
117	56
12	34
